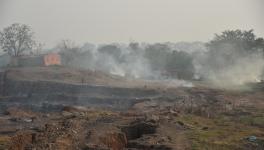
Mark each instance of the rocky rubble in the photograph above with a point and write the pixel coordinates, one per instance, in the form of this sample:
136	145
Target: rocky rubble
192	118
85	128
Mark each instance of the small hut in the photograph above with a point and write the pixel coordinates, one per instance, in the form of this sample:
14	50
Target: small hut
34	61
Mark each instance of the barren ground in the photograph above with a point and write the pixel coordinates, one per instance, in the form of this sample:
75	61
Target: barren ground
196	118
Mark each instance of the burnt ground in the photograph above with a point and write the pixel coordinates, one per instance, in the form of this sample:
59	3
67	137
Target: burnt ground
196	118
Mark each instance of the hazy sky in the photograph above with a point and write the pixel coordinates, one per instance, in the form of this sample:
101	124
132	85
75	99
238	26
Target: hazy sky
106	21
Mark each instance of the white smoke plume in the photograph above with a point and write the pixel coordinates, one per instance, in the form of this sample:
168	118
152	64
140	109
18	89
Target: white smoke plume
230	74
226	68
123	60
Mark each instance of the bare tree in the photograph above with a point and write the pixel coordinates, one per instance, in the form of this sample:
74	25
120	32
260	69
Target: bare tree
37	48
66	45
69	51
16	39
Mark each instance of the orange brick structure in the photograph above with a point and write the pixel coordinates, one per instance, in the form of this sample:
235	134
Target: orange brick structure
52	59
33	61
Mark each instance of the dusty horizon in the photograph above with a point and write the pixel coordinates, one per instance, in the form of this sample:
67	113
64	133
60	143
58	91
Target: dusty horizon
123	21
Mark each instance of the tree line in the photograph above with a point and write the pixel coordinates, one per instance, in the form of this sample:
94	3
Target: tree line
169	61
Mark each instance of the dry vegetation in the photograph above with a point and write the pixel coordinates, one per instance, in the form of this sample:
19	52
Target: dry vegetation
196	118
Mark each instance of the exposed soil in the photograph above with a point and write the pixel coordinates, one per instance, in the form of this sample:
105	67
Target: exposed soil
196	118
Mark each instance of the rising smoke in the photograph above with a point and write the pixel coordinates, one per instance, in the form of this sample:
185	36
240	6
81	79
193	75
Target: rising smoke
242	70
115	59
174	63
135	61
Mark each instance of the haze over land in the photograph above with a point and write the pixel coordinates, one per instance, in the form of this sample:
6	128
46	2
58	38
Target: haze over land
101	21
132	74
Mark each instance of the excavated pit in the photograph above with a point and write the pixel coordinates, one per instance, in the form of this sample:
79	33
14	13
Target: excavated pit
136	129
135	133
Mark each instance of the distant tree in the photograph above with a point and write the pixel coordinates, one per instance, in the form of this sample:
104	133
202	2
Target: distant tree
38	48
68	51
66	44
88	47
259	44
180	65
111	50
157	55
230	45
16	39
243	41
134	46
177	64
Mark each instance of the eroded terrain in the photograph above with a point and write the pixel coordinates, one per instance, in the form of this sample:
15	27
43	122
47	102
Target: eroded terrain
146	117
